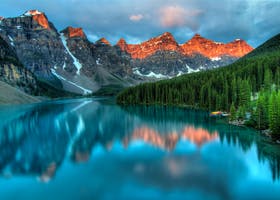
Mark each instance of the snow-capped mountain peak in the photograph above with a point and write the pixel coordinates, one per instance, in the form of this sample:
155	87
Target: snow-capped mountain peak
32	13
37	16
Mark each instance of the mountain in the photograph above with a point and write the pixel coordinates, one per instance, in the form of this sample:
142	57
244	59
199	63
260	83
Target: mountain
13	72
215	50
36	42
163	57
44	51
15	80
165	42
100	64
196	45
270	46
67	61
102	42
216	89
71	32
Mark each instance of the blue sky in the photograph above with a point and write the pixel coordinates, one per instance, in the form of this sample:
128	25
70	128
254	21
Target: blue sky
138	20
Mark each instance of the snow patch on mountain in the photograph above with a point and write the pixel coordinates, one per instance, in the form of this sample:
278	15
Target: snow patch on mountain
98	61
76	62
150	75
11	40
180	73
162	76
216	58
190	70
86	91
32	13
64	66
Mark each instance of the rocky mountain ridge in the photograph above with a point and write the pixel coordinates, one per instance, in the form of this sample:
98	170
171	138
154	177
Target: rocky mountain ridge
196	45
215	50
67	60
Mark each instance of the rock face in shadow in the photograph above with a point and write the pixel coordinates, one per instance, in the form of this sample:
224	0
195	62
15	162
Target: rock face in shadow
13	72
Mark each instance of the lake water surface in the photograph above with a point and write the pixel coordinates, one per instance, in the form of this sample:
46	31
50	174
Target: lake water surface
94	149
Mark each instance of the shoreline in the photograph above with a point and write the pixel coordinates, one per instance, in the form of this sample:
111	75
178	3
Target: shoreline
267	132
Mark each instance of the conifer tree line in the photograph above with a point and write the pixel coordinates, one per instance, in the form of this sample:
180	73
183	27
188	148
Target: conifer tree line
250	85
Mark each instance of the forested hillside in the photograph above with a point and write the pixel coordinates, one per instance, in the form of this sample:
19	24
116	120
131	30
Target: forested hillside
235	86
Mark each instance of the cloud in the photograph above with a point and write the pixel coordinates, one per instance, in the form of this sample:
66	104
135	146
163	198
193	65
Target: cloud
136	18
178	16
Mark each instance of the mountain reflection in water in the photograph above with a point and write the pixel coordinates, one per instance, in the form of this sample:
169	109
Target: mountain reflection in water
168	141
39	140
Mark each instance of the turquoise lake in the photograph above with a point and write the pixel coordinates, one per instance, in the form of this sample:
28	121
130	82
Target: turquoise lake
95	149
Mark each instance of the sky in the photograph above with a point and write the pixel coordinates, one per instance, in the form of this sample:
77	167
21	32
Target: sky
138	20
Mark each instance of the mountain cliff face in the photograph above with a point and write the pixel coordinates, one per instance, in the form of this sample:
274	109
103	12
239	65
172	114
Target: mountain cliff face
37	44
165	42
40	49
13	72
39	17
196	45
71	32
163	57
67	60
215	50
101	64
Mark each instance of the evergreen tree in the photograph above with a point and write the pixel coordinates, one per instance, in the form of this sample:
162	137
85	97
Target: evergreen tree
241	112
267	80
209	99
232	112
261	113
273	111
278	113
254	85
225	99
234	91
277	78
244	94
